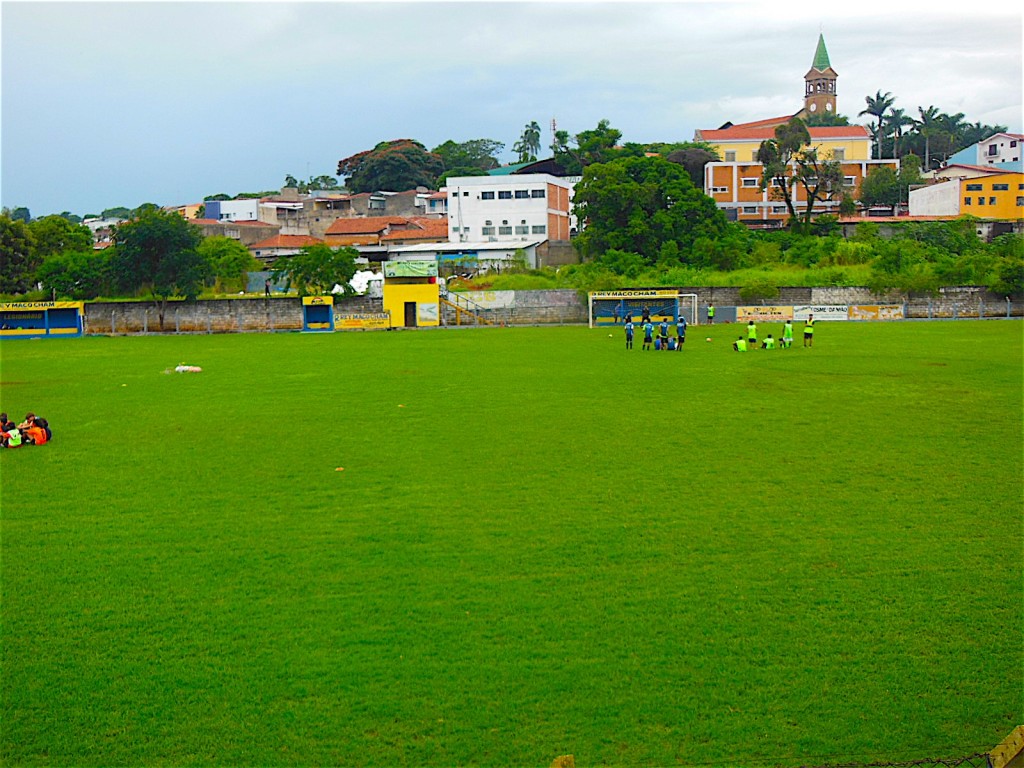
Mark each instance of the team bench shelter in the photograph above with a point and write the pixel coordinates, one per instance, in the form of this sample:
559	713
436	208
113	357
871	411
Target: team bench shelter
41	319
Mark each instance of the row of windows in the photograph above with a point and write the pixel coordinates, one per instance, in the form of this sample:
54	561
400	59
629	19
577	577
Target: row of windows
839	153
506	229
848	181
992	200
995	187
508	194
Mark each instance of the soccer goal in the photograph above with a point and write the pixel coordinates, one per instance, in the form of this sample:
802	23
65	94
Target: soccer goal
613	307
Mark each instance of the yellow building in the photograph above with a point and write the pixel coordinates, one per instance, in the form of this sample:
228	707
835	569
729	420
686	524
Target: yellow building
999	196
412	295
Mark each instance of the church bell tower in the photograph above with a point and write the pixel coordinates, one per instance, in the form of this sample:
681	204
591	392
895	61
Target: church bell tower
820	84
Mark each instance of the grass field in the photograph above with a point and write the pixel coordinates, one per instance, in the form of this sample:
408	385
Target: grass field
539	544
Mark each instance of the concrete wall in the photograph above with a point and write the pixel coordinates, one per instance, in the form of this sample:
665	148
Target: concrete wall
282	313
936	200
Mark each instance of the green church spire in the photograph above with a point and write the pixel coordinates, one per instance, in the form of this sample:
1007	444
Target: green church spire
821	55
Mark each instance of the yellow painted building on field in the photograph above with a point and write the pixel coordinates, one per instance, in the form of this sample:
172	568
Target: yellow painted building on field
412	295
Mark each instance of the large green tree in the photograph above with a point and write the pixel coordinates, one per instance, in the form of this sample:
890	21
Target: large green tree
18	261
574	153
157	252
76	274
392	166
316	269
790	162
56	234
636	205
228	259
475	153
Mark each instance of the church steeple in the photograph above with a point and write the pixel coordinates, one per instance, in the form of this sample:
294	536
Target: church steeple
820	83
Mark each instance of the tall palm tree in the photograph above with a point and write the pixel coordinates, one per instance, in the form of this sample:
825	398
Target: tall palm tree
528	146
928	126
897	119
878	106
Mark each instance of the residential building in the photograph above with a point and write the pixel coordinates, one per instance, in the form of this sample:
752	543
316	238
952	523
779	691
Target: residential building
369	230
269	250
246	232
233	210
996	196
1001	151
515	207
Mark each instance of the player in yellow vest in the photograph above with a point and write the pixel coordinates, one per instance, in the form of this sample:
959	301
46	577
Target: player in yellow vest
809	331
787	334
769	343
740	345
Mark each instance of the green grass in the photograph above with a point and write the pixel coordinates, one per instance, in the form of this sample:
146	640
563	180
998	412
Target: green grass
540	544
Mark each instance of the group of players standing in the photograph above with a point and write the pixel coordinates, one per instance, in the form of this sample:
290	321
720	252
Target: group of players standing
662	341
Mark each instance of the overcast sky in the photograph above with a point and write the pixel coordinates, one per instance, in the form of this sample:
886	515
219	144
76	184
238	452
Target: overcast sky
111	104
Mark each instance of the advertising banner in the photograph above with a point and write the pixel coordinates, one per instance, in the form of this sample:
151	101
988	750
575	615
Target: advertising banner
410	269
489	299
365	321
876	312
641	294
28	306
765	314
822	312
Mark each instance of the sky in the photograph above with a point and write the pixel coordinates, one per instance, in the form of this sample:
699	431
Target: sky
123	103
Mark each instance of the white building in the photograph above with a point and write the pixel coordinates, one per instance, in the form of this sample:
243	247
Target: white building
233	210
526	208
1001	151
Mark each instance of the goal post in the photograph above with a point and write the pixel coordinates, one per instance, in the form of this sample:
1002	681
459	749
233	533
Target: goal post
612	307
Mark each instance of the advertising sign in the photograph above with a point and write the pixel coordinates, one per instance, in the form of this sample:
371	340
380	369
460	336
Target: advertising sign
822	312
876	312
364	321
766	314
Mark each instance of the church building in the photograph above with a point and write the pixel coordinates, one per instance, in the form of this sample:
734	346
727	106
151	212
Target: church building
734	182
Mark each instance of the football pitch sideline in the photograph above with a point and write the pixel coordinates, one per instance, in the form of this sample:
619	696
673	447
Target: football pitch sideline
496	546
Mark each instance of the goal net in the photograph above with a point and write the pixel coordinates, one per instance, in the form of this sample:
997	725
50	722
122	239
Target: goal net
613	307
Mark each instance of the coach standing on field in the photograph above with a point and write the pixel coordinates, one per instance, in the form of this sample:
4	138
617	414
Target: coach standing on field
809	331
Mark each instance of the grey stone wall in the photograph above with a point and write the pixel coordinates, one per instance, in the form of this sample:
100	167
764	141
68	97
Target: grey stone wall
281	313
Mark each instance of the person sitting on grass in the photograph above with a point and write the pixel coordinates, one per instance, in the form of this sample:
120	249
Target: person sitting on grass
35	433
740	345
768	343
10	436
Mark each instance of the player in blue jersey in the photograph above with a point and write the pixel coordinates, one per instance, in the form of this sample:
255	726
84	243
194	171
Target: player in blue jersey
629	334
680	332
648	335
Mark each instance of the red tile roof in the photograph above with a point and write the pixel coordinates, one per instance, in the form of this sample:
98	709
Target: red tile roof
424	229
364	225
760	134
286	241
770	122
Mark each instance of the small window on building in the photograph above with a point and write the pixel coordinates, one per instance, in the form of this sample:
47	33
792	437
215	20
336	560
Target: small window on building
504	194
750	209
455	194
839	153
465	194
993	150
748	182
488	222
1000	187
540	229
505	222
849	181
967	201
1013	143
487	195
991	201
537	193
504	230
981	201
487	231
719	190
1020	201
522	194
730	157
521	229
974	187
